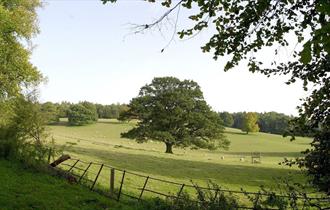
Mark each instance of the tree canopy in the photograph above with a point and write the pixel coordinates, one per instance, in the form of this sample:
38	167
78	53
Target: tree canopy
51	112
82	113
111	111
273	122
174	112
227	119
18	24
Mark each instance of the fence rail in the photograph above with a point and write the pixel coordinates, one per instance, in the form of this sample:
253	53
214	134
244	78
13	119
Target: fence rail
82	170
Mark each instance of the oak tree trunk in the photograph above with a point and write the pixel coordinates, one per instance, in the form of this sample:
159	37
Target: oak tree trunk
169	148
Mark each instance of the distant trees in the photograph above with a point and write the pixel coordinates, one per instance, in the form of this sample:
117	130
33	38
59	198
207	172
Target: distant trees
238	120
174	112
61	110
111	111
227	119
82	114
268	122
51	112
272	122
250	122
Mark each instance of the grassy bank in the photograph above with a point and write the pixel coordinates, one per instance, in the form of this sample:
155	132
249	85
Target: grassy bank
23	188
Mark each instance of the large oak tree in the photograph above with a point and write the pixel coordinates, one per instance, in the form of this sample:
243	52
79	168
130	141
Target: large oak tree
174	112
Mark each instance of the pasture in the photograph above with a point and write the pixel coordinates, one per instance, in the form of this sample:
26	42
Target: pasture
101	143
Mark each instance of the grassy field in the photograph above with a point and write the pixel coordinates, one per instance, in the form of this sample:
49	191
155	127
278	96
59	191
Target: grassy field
26	189
101	142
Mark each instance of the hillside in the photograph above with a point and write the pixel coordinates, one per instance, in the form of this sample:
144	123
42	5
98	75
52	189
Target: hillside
23	188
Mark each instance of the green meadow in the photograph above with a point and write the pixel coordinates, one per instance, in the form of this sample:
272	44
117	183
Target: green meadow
231	169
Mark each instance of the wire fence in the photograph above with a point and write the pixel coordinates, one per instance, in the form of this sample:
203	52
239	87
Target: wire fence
116	182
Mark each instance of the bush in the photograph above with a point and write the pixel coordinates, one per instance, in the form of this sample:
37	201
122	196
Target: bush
82	114
23	136
288	195
51	112
206	200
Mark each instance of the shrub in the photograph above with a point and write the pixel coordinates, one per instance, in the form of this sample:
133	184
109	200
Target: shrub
23	136
82	114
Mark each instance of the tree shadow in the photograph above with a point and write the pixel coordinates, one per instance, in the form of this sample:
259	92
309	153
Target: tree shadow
267	154
61	123
112	122
236	133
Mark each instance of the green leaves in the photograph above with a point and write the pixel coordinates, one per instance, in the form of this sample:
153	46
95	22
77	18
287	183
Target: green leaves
111	1
250	124
323	6
174	112
82	114
18	23
306	53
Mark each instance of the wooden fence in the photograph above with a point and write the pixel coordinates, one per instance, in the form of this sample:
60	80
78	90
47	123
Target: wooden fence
112	182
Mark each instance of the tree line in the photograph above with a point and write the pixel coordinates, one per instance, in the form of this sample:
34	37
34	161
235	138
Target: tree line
268	122
86	112
81	113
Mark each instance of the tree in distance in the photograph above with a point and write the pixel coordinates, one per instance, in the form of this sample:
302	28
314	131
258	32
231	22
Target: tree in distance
250	122
227	119
174	112
51	112
82	114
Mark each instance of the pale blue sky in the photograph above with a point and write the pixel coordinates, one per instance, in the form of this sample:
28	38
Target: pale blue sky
86	52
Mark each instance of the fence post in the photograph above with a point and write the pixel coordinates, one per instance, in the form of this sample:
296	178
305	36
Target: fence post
49	154
181	189
73	166
144	186
85	171
97	176
216	194
112	181
121	185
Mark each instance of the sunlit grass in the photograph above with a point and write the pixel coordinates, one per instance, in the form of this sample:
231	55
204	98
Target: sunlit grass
101	142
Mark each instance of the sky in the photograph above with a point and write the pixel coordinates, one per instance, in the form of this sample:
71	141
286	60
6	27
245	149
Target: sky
88	51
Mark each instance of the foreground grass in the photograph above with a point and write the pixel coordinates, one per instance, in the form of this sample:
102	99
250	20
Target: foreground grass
23	188
101	142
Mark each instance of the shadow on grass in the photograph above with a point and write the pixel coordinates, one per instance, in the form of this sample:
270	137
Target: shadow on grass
60	123
111	122
249	175
66	123
235	132
267	154
304	143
